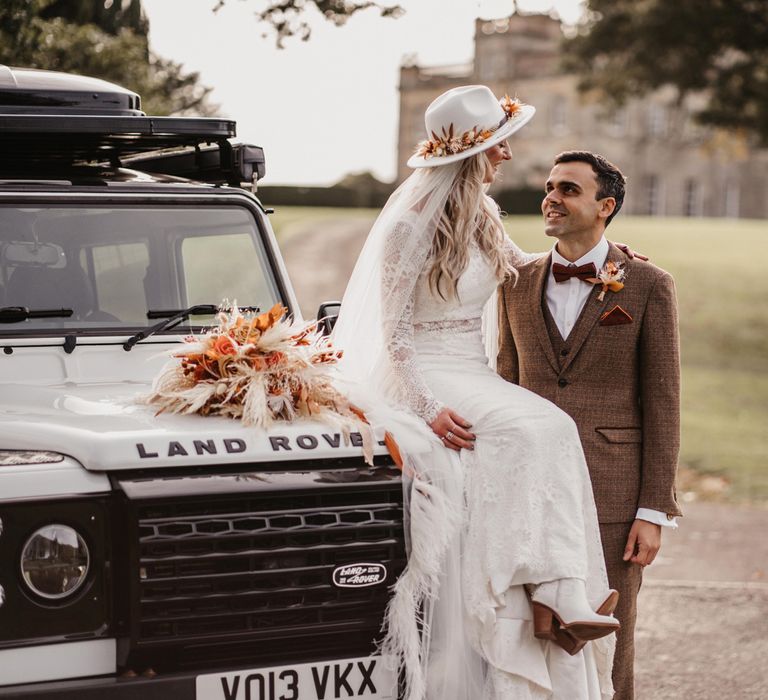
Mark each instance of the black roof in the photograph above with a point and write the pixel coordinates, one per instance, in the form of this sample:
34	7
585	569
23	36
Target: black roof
80	139
50	119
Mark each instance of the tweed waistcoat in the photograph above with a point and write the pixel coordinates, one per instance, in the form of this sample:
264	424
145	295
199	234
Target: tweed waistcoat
559	345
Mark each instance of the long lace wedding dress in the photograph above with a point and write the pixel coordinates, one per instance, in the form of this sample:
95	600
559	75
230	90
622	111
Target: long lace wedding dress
519	507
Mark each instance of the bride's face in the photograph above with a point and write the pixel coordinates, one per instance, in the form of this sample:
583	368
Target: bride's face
496	155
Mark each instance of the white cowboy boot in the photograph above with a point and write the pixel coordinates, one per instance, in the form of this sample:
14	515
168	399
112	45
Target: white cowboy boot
563	605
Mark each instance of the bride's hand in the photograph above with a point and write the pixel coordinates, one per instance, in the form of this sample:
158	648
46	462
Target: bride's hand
451	428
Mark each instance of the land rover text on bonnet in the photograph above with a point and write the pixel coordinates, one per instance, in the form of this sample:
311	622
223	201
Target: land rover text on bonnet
169	556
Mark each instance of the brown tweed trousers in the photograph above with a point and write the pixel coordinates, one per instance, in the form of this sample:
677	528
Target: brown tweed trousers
620	382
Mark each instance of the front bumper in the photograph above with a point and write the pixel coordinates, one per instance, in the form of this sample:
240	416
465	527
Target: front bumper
176	686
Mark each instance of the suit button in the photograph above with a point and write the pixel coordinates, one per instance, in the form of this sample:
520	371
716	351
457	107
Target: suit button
564	352
562	382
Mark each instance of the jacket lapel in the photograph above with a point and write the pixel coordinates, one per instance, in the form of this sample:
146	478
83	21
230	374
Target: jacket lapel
536	295
592	311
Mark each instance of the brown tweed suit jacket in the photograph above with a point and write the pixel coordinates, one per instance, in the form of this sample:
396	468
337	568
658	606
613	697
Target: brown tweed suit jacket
620	383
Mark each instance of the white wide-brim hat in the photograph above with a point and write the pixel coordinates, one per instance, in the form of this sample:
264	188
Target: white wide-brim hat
467	120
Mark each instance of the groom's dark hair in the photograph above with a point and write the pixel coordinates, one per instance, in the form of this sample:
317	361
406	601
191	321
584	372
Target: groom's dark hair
610	180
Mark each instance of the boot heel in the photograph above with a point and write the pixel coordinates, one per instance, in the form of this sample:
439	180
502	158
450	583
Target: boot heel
543	622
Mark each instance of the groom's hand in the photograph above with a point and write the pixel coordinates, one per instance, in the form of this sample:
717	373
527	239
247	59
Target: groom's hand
643	542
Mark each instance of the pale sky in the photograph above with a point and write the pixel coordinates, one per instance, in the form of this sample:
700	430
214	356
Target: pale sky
327	107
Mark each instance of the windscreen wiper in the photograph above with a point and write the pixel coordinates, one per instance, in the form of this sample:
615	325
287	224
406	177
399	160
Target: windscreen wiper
172	317
15	314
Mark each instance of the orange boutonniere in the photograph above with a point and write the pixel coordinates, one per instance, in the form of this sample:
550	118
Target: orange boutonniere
610	277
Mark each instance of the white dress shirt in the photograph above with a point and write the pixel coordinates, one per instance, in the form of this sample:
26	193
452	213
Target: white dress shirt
566	301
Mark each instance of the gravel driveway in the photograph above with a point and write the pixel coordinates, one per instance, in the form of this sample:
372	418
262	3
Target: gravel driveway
320	258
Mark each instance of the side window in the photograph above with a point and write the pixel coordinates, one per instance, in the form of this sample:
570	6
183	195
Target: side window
119	272
222	267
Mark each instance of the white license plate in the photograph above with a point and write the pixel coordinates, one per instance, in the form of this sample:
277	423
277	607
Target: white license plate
367	677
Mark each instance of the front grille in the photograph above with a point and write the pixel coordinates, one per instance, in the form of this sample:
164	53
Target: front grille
251	573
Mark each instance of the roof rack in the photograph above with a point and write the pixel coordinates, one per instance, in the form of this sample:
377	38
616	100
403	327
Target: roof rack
197	148
227	161
82	139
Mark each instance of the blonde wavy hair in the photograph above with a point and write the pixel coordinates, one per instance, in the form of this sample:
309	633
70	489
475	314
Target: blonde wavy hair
469	214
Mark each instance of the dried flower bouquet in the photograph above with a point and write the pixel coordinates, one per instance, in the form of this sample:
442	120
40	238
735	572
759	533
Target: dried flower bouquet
258	369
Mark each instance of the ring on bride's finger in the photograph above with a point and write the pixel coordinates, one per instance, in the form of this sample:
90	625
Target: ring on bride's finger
449	435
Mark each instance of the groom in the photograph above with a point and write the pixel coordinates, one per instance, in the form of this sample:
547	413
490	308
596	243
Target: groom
606	352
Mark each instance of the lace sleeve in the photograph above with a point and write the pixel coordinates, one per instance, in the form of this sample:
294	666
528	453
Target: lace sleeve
516	256
401	267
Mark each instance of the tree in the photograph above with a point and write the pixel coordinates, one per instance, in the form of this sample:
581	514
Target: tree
89	38
108	15
287	17
716	48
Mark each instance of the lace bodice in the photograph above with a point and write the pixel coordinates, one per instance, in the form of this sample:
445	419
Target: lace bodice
407	287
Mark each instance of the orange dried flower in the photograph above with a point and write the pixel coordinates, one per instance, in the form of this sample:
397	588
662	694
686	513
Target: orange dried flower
449	144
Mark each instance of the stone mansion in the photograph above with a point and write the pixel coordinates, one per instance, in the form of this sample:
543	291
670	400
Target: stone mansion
674	166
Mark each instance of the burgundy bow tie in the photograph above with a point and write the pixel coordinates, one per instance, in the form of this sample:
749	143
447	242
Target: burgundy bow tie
565	272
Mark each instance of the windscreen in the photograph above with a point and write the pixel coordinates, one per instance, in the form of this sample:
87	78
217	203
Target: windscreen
118	268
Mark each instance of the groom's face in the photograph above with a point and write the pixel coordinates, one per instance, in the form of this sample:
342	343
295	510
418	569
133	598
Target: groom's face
570	204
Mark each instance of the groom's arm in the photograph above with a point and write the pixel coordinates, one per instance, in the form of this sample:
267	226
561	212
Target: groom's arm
507	364
660	398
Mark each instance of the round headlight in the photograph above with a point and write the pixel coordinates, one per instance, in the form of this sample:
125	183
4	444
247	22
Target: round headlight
54	561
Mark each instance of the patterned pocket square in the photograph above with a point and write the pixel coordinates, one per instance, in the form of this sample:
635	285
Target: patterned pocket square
615	317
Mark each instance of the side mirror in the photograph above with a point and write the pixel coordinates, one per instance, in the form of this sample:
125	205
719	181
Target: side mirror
327	315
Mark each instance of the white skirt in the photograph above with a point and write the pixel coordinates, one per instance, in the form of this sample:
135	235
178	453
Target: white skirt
528	516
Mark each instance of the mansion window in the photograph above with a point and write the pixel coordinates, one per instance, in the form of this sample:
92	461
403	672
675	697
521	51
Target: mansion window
732	199
417	126
616	122
492	65
653	196
657	120
558	120
692	198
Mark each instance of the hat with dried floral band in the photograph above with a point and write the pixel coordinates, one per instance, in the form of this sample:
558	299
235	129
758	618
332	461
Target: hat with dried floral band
465	121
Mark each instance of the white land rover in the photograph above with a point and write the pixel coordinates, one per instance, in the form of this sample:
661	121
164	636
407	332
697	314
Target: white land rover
147	556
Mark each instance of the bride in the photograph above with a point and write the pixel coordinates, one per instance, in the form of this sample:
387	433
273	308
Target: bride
505	595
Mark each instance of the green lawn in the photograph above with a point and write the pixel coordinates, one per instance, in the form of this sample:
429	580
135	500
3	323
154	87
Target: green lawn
723	293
